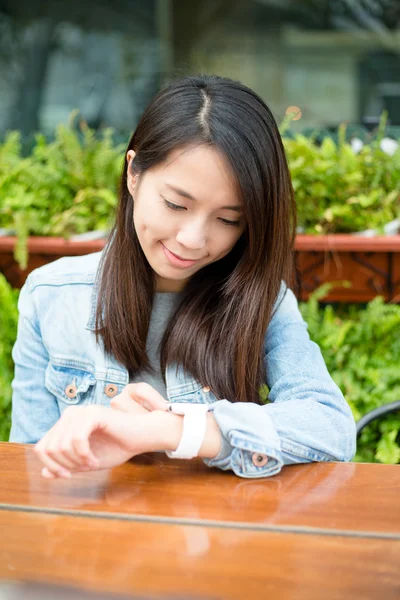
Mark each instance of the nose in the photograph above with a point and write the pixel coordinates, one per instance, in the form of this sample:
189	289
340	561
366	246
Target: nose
192	236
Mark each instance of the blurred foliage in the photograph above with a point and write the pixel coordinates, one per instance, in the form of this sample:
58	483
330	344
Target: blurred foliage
63	187
361	348
68	185
339	190
8	327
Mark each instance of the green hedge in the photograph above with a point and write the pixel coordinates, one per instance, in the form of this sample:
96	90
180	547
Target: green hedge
8	332
64	187
69	185
361	347
339	190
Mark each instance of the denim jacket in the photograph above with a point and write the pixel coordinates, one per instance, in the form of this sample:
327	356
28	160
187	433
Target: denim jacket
307	418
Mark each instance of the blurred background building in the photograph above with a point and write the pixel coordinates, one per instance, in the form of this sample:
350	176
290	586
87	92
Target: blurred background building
336	60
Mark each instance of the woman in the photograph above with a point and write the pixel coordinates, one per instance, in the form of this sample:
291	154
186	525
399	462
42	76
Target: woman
162	341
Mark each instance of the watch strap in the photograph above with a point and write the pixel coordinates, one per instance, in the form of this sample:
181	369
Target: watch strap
194	428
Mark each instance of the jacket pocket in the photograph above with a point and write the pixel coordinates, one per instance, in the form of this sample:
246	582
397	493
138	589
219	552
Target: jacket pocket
70	385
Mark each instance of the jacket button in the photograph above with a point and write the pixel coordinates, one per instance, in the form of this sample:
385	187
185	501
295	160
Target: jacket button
111	390
71	391
206	389
259	460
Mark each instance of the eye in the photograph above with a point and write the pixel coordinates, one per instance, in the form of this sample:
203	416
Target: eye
230	223
174	206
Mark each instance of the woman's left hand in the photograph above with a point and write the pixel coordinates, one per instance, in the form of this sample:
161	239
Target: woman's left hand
138	397
95	437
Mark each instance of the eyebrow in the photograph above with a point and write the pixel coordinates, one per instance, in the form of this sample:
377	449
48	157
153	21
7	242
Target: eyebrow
236	208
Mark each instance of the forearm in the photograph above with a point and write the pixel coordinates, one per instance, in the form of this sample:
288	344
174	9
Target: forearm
166	433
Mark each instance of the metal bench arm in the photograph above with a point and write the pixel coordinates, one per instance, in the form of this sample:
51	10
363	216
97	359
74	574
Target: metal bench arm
374	414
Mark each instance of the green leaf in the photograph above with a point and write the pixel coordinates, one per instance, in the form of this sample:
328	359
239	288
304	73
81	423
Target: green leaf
387	450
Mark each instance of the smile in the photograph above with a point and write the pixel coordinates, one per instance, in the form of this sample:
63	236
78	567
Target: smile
177	261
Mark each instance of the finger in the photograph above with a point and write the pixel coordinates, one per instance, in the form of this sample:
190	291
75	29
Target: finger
56	450
58	441
86	468
60	456
55	469
125	403
81	446
147	396
42	451
71	452
60	450
49	475
75	441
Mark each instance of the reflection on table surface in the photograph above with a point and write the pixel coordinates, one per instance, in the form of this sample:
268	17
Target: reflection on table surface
195	561
14	590
348	497
158	528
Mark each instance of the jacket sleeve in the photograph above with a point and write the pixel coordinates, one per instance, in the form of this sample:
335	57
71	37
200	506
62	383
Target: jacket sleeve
307	418
34	408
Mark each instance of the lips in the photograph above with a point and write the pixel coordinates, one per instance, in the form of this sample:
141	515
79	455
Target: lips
175	260
182	258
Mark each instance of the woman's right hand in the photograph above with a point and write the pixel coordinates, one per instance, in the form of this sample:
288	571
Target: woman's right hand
95	437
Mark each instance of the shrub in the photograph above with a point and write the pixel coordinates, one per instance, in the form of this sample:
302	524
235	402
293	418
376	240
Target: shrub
361	347
8	329
64	187
340	191
69	185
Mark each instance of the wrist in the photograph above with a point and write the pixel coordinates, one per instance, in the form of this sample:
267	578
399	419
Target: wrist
170	428
211	445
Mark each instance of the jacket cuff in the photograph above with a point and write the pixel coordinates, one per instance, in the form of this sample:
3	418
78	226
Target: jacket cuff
241	447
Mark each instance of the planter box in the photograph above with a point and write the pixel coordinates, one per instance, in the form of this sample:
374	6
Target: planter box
41	250
372	265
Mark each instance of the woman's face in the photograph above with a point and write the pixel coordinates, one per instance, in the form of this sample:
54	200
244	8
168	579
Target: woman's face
187	213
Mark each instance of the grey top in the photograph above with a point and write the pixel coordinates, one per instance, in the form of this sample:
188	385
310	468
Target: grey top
164	305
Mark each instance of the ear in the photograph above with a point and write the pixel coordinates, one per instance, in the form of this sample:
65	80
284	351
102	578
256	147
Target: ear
131	179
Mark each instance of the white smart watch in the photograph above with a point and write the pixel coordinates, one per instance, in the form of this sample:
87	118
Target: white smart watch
194	428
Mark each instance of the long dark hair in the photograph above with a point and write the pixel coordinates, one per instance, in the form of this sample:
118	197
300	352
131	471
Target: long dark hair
217	332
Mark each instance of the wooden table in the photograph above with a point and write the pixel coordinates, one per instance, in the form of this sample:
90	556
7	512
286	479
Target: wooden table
159	528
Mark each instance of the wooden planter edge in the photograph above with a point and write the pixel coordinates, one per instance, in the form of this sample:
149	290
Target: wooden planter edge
372	264
341	242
